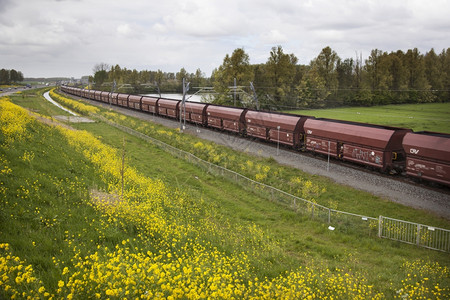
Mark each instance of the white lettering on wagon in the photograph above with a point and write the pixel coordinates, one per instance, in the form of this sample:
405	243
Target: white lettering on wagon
360	154
414	151
309	131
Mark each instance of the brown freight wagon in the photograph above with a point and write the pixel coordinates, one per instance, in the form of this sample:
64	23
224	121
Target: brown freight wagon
104	96
149	104
134	102
428	156
283	128
195	112
113	98
91	94
98	95
371	145
226	118
122	99
168	108
85	94
76	91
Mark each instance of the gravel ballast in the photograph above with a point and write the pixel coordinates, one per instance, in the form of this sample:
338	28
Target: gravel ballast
400	191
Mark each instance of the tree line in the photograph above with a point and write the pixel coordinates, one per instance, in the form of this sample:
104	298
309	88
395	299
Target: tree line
282	83
125	80
10	76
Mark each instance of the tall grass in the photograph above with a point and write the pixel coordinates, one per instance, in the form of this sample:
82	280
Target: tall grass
77	238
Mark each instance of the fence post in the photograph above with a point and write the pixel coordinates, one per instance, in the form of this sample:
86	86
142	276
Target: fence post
380	224
418	235
440	240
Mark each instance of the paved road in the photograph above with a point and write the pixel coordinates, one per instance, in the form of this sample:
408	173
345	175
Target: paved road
9	91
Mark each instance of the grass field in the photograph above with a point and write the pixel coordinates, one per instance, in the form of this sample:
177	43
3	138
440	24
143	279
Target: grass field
193	236
419	117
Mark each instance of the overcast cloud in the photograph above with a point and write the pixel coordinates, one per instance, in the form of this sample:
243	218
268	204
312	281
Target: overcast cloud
47	38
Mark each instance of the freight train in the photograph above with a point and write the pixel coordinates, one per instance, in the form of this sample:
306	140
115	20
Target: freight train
423	155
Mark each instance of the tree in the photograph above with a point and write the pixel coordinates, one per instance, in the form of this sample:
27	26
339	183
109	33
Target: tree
4	76
280	70
115	74
159	77
13	76
416	69
182	74
198	79
312	90
378	78
19	76
326	64
344	72
444	58
374	70
100	77
417	82
346	80
235	66
433	71
100	74
398	71
100	67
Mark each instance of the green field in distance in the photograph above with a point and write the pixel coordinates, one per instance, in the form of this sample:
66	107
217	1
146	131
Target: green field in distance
419	117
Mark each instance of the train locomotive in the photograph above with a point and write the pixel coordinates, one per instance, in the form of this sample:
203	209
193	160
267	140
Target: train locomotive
422	155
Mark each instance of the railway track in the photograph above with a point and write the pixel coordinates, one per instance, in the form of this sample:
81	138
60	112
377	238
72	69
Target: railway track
435	199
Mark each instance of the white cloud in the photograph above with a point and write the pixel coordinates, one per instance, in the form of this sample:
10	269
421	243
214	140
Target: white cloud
123	29
273	37
67	38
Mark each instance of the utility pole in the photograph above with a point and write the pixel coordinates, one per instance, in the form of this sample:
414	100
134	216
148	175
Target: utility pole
254	95
112	91
234	103
183	104
157	88
278	140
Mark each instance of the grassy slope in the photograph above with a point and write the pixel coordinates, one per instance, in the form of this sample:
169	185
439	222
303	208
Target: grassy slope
302	240
419	117
335	196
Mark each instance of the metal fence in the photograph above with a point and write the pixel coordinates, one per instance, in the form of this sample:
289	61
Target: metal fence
383	227
414	233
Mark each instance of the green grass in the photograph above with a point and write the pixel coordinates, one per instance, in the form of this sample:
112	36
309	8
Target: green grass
302	241
32	100
43	199
335	196
419	117
297	234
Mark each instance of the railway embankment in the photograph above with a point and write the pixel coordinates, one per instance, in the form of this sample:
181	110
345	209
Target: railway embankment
392	188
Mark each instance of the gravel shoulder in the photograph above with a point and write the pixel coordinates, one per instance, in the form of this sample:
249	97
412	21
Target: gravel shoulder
409	194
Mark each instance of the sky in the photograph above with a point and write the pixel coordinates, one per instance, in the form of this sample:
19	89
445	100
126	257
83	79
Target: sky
53	38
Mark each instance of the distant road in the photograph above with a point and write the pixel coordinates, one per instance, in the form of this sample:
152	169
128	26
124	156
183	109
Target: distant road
9	91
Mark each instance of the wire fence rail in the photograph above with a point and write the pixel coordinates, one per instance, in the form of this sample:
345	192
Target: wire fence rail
412	233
